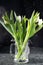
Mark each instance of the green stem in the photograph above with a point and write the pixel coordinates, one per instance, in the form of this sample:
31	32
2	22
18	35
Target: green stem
23	47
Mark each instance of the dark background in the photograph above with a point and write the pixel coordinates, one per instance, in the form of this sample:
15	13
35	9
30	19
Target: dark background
22	7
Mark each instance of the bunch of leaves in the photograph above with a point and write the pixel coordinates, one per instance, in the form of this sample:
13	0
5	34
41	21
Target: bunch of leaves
19	30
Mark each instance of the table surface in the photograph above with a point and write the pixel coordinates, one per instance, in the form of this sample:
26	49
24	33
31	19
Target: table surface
36	57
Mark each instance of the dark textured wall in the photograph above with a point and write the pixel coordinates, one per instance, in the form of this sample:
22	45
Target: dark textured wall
24	7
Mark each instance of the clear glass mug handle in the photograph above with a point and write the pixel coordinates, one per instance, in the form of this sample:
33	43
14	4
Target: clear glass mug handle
12	49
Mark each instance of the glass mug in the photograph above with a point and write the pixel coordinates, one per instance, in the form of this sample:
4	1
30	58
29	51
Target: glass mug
24	58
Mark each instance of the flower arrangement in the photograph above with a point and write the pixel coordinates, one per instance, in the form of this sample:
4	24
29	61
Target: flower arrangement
22	28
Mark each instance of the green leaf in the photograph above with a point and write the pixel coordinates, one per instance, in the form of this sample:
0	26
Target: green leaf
33	19
6	18
24	19
7	27
11	16
20	31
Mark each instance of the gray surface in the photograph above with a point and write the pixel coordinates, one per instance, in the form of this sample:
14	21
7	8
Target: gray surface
36	58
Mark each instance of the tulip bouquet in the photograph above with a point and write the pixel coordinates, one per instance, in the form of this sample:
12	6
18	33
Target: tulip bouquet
22	28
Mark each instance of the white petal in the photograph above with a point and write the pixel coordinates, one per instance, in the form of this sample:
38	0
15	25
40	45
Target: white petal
40	21
19	18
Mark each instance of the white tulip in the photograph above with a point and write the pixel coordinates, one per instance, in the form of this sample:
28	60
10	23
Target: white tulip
19	18
40	21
